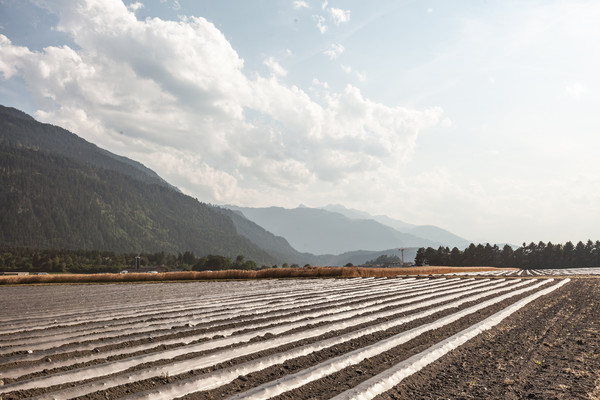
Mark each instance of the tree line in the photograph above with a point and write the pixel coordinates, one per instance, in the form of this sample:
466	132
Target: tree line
529	256
94	261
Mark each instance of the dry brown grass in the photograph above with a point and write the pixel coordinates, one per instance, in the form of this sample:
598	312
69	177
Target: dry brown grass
273	273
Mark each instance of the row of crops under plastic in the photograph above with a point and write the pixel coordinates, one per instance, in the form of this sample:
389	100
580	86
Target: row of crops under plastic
63	342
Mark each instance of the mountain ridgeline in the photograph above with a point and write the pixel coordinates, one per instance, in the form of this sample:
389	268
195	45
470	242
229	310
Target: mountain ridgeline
427	232
321	231
20	130
59	191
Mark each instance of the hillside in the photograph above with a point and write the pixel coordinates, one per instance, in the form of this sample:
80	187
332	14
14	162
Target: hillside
280	248
50	200
277	246
319	231
20	130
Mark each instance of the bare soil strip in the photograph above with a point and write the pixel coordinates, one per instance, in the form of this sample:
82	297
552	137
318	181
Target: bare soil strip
209	340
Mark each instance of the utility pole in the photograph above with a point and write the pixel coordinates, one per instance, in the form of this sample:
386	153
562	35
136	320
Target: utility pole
402	251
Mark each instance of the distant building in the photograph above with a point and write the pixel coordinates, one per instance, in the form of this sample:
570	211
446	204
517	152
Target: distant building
16	273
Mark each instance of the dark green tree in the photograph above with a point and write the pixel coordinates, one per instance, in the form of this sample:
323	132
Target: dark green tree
420	257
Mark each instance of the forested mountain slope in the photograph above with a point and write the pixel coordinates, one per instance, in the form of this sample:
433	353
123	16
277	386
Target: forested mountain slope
20	130
50	200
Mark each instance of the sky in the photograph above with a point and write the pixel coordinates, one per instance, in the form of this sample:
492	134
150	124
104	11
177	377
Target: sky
480	117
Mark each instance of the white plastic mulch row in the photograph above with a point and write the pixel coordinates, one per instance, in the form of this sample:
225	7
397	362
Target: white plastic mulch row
393	376
483	273
223	309
151	310
159	321
335	305
530	272
292	381
322	316
205	303
339	311
227	354
215	379
107	340
136	299
567	271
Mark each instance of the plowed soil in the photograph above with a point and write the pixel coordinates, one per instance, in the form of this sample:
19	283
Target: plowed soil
550	349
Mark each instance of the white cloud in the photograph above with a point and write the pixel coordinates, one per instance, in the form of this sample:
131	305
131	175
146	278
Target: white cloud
321	23
324	4
334	51
173	95
298	4
275	68
176	6
360	76
12	56
574	90
135	6
339	16
317	83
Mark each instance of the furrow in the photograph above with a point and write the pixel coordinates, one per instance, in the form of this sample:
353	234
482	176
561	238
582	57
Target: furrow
335	364
255	315
393	376
217	378
207	360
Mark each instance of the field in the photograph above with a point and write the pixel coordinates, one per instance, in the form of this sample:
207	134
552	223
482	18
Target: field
269	273
499	334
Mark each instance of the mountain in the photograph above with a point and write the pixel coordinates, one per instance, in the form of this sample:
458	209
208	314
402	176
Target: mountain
398	225
277	246
20	130
319	231
428	232
280	248
59	191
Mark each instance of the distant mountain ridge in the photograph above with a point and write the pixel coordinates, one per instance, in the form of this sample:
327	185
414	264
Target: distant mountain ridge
319	231
429	232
